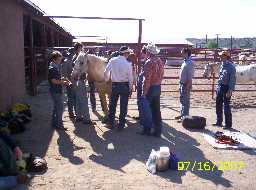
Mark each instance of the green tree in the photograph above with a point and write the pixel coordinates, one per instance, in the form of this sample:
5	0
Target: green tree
212	45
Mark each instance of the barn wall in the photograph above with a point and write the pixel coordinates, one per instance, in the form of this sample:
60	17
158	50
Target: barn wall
12	77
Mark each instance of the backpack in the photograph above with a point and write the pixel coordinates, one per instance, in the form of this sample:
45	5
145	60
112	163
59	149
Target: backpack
194	122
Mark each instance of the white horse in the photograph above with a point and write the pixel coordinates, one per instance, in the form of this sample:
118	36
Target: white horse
94	66
244	73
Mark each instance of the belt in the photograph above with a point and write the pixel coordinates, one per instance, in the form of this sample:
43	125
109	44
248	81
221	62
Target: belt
120	82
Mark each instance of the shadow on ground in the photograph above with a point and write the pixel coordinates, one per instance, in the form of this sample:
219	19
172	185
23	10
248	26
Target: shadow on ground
128	146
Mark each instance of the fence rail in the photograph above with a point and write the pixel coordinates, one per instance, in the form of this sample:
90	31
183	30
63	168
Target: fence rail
200	58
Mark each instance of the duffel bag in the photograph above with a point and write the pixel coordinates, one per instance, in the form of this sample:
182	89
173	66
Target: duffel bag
194	122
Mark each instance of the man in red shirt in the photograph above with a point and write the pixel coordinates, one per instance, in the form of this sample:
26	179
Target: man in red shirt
151	91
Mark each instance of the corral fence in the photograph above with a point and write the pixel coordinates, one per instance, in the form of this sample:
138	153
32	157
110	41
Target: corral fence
36	74
200	58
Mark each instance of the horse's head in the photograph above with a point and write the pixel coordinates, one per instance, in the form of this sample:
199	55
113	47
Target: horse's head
133	59
81	65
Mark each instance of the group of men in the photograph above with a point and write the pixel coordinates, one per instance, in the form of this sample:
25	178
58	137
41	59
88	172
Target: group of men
120	71
148	89
225	87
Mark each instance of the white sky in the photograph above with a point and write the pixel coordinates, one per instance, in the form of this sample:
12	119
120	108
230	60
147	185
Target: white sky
165	19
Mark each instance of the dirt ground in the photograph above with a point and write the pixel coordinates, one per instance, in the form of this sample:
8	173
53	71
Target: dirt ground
87	158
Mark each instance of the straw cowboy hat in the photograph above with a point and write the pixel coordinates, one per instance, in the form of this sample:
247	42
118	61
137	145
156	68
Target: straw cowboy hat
224	53
125	49
152	48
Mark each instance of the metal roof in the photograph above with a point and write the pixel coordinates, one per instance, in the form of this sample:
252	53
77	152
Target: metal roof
34	6
38	11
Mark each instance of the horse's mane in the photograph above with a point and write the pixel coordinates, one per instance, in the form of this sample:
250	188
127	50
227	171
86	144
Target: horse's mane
95	58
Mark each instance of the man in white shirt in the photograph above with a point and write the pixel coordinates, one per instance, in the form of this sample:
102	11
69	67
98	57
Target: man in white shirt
120	71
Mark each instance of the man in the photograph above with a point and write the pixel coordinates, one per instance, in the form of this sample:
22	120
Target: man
121	74
55	81
67	68
186	76
151	91
77	49
140	78
225	87
10	152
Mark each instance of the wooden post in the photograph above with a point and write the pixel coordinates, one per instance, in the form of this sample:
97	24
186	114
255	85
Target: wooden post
231	43
32	57
139	45
52	38
44	45
58	39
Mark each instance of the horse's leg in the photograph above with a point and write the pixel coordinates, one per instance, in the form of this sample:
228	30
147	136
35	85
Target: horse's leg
104	103
102	94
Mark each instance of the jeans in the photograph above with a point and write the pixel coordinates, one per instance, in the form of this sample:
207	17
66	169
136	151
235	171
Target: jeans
184	101
153	97
8	182
82	106
122	90
139	100
145	113
220	99
71	100
57	112
92	95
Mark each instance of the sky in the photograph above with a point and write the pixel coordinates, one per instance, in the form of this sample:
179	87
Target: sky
164	19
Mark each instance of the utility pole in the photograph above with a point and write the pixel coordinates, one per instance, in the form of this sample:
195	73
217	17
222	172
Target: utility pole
231	42
217	40
206	40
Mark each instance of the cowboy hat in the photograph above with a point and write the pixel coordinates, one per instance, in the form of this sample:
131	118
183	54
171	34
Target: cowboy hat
224	53
125	49
152	48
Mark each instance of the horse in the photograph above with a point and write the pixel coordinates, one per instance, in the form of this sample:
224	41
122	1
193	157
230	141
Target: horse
244	73
94	66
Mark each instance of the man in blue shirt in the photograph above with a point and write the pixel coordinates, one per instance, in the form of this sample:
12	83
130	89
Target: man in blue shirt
225	87
186	76
55	82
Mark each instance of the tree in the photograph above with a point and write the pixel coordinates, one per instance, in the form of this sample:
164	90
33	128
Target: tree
212	45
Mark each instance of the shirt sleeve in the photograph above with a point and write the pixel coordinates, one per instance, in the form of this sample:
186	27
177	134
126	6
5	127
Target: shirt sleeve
147	78
130	75
107	71
52	74
232	79
8	140
162	73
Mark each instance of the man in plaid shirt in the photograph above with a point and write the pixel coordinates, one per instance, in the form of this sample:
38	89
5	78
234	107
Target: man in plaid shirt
151	91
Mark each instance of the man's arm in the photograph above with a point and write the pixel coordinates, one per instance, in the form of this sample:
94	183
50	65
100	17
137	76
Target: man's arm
8	140
54	80
232	79
130	76
107	71
190	74
147	78
13	146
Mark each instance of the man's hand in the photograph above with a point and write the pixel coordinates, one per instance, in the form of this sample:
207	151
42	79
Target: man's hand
18	153
229	94
66	82
130	93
